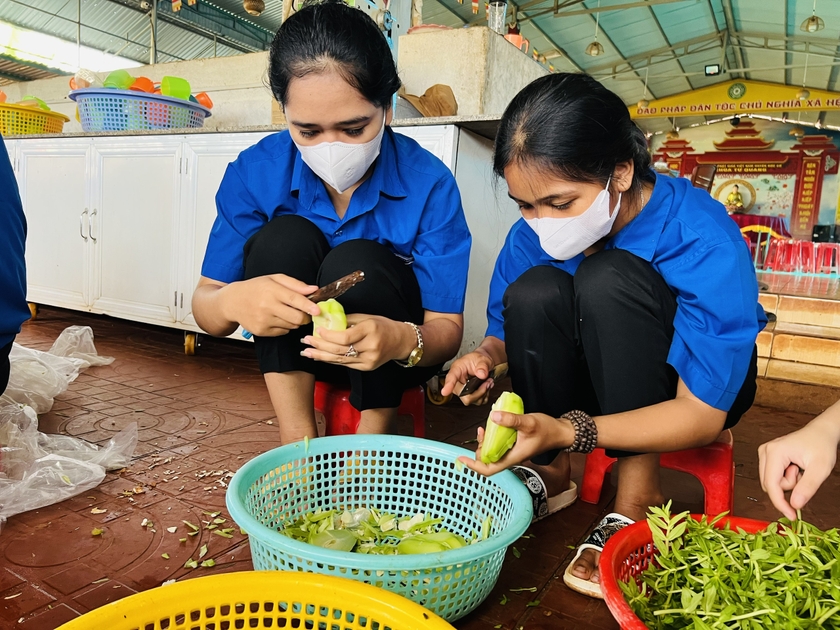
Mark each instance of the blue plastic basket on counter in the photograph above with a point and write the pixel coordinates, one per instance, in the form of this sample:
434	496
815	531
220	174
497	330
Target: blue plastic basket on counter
105	109
395	475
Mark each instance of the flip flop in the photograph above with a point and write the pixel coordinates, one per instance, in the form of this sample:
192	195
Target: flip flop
544	505
596	540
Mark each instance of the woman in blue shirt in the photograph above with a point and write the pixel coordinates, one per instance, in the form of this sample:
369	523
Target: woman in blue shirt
625	303
338	192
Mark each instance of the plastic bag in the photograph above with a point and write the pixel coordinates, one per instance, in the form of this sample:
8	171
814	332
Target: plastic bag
37	469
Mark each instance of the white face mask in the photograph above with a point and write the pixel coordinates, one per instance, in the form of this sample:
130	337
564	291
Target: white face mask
565	238
341	164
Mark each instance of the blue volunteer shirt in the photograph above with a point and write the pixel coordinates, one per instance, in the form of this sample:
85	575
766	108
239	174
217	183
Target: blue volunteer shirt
410	204
13	308
698	250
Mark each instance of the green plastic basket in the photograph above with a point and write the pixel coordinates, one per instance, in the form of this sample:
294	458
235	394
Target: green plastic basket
397	475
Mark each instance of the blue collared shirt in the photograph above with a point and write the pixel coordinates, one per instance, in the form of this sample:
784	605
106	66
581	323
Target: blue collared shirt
698	250
13	308
410	204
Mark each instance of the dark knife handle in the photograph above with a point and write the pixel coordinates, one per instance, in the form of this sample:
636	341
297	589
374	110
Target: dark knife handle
337	288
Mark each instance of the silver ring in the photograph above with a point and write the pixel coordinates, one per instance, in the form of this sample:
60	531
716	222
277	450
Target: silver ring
352	352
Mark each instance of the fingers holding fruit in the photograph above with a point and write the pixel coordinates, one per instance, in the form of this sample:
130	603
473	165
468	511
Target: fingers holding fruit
270	306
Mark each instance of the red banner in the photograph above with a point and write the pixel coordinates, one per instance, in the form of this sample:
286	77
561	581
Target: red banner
807	198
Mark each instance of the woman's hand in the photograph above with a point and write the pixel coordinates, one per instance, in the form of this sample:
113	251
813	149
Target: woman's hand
536	433
267	306
475	363
799	462
376	340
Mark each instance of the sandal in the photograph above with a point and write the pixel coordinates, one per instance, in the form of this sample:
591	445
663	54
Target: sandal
544	505
596	540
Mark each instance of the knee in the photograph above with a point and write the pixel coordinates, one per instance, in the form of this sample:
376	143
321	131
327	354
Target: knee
280	232
604	277
359	254
538	289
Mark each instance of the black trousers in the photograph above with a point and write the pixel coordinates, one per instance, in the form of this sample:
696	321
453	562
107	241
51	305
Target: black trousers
4	366
596	341
294	246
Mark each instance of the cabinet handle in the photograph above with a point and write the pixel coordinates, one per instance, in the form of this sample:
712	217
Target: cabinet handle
90	225
182	300
82	223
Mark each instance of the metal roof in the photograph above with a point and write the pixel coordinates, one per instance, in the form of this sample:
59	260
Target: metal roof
670	42
664	42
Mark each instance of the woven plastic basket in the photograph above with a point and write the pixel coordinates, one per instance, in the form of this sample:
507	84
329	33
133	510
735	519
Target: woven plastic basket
103	109
628	553
251	599
16	120
397	475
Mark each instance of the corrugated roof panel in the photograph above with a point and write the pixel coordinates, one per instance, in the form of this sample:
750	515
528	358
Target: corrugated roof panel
763	16
685	20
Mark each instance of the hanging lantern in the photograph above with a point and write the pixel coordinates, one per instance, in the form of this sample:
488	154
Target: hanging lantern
254	7
812	24
643	104
594	49
673	134
797	132
803	94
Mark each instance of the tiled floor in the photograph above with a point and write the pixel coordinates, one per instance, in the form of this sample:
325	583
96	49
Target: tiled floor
200	418
801	285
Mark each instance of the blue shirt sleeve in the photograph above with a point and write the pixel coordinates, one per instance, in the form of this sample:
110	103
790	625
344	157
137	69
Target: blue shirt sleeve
716	322
13	308
238	218
442	249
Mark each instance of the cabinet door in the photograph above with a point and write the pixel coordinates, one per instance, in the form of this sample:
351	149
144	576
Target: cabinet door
439	140
206	159
52	178
135	216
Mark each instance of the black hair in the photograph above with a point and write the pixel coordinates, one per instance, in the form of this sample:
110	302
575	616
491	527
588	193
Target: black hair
329	34
571	125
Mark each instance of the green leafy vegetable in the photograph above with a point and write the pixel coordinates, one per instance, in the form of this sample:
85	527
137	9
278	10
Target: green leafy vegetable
787	576
498	440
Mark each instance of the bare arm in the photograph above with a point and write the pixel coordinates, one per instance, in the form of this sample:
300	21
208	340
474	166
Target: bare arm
672	425
268	306
800	461
379	340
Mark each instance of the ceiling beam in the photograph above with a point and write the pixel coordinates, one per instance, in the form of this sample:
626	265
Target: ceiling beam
661	55
558	11
730	27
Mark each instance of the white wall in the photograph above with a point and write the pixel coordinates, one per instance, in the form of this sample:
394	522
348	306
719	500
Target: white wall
237	85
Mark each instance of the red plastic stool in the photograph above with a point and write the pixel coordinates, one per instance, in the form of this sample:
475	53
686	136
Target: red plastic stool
343	418
713	465
827	258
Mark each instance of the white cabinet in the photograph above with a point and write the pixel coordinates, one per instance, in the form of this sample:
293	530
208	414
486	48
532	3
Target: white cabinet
134	233
53	183
206	158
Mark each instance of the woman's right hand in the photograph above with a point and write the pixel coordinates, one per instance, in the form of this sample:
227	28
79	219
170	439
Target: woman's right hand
473	364
798	462
269	306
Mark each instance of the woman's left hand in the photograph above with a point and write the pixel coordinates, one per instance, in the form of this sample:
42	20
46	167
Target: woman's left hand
536	433
369	342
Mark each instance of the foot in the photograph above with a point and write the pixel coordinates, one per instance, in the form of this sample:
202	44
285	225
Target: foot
556	475
586	566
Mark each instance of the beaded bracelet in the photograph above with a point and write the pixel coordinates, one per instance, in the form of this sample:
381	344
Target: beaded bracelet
586	432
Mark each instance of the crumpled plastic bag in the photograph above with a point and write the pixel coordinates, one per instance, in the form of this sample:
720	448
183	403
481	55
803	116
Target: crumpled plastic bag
37	469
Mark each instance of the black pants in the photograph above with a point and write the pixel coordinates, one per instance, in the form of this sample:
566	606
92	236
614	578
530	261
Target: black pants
4	365
596	341
294	246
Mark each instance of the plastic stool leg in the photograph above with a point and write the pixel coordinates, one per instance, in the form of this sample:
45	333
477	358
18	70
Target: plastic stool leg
414	404
596	469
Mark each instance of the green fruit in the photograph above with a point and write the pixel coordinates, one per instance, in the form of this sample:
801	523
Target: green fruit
335	539
332	317
498	440
430	543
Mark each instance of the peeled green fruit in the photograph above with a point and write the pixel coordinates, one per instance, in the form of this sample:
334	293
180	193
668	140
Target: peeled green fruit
335	539
332	317
498	440
430	543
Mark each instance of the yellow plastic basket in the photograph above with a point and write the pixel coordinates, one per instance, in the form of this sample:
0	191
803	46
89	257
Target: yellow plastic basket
262	599
17	120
